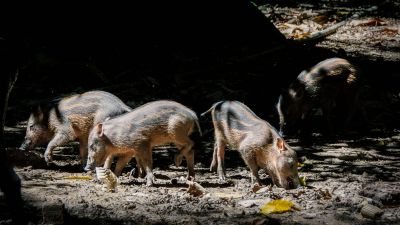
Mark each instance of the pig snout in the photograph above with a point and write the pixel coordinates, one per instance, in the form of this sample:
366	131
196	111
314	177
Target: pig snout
281	133
290	183
25	145
90	165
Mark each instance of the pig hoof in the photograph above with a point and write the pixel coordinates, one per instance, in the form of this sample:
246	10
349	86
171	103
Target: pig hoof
178	160
133	173
48	158
49	164
190	178
222	181
150	180
213	168
142	175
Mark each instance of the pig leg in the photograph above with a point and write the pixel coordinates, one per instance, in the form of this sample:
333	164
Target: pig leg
145	159
327	112
83	142
354	106
83	150
122	161
221	160
108	162
59	139
140	169
252	164
185	146
214	163
178	159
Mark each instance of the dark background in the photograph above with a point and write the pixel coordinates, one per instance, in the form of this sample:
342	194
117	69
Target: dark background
195	52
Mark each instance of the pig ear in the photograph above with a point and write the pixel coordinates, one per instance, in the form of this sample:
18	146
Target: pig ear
296	92
38	113
280	144
99	130
76	128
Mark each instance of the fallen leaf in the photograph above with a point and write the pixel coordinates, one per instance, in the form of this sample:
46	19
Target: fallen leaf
381	143
389	31
302	181
324	194
256	187
343	13
321	19
373	22
225	195
74	177
195	189
298	35
277	206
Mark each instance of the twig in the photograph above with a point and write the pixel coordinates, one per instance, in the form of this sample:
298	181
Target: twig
321	34
330	30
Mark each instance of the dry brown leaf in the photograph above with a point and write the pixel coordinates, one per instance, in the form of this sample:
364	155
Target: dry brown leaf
321	19
390	32
256	187
324	194
373	22
195	189
301	35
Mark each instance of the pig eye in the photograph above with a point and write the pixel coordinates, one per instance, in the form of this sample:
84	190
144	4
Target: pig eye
31	127
92	147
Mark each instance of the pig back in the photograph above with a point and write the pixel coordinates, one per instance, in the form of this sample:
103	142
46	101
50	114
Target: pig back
157	122
329	78
85	110
240	126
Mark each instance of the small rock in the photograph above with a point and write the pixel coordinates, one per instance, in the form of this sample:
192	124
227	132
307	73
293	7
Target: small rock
338	145
337	161
371	211
252	202
309	215
263	189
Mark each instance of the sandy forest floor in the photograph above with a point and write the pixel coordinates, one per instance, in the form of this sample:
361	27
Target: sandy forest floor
341	176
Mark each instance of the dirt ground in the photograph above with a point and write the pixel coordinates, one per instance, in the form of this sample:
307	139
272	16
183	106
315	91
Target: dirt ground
370	31
341	176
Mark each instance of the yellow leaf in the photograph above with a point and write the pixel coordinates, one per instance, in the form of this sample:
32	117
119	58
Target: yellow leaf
277	206
227	195
381	143
300	164
78	177
343	13
302	181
